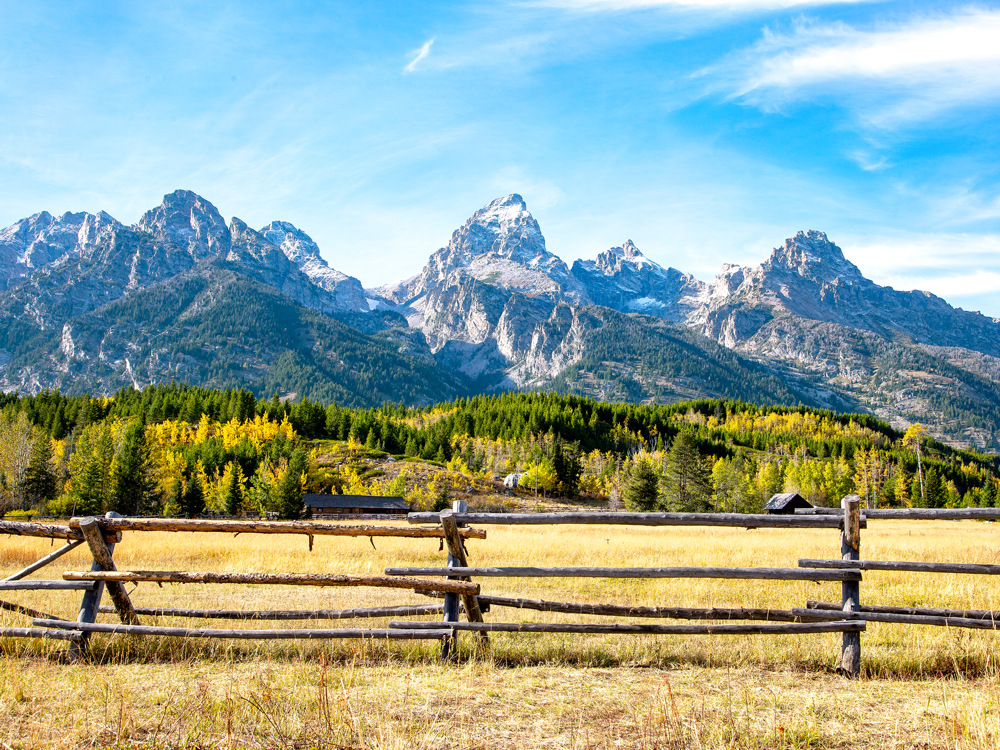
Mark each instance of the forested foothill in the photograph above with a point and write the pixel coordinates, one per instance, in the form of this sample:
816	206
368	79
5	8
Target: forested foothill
177	449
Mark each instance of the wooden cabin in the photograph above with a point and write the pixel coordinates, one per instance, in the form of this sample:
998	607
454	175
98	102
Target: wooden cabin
337	505
786	503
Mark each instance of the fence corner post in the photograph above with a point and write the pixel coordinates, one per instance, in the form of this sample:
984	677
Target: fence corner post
80	649
449	644
850	548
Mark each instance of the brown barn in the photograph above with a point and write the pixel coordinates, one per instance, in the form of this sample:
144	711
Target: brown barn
336	505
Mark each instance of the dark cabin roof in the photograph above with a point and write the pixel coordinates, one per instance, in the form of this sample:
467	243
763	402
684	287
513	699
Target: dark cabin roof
786	501
355	501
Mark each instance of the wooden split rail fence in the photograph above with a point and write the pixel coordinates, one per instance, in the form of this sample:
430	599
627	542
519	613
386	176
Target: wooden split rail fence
455	582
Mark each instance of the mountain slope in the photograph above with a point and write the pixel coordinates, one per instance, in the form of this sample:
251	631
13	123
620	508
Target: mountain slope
215	326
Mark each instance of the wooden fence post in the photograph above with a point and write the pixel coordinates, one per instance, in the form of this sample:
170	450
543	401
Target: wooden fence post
850	546
457	551
88	607
449	644
91	529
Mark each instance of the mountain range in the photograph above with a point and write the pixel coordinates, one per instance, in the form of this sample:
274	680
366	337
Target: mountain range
90	304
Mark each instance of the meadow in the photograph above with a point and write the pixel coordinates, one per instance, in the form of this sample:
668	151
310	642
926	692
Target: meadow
922	687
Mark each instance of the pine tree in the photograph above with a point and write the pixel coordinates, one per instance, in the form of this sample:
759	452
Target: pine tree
442	500
289	491
132	487
87	488
411	447
642	487
40	482
687	484
566	463
193	500
232	489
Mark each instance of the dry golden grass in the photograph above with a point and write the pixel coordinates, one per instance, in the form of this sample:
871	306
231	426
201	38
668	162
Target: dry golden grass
923	687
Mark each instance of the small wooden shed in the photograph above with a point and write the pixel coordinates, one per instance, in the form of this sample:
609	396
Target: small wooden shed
786	503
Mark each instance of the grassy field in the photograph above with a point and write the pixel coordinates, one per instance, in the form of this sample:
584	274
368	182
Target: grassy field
922	687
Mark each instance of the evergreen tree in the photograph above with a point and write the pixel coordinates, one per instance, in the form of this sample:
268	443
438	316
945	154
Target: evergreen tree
40	481
442	500
132	487
87	488
566	462
687	484
193	500
232	489
411	447
289	491
642	487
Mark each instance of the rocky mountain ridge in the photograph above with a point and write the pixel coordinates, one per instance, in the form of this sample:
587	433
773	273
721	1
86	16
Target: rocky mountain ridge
93	304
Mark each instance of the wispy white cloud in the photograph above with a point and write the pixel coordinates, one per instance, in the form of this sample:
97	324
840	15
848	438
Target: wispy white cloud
892	75
957	267
631	5
419	55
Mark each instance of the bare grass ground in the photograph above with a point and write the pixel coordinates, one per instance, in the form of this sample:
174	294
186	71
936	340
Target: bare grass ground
923	687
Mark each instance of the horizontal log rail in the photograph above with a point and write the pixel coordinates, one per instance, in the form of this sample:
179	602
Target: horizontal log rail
738	520
907	567
950	622
309	528
780	574
59	635
255	635
47	531
965	614
784	628
288	579
33	585
911	514
282	614
666	613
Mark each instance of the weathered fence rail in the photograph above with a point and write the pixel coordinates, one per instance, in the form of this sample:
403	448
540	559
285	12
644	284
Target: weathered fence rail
590	627
739	520
910	514
773	574
284	579
307	528
255	635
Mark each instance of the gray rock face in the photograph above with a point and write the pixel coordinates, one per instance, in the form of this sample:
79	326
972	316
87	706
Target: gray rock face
187	221
624	279
43	239
490	302
68	265
299	248
810	278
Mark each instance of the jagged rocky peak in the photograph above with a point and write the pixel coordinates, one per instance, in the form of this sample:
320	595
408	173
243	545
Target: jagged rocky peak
186	220
612	260
294	243
501	245
503	228
812	254
624	279
301	250
43	239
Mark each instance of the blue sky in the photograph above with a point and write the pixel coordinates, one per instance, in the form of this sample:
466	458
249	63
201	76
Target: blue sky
706	131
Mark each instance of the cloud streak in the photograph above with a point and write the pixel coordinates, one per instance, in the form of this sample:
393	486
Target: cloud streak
419	55
731	5
893	75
